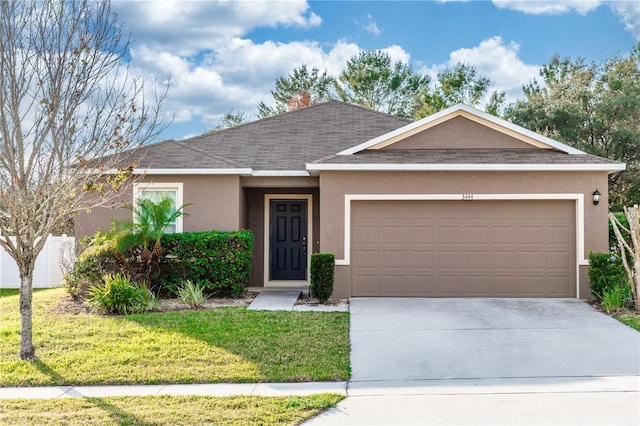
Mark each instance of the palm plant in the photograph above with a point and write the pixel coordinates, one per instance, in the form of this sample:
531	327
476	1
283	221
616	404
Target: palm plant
151	219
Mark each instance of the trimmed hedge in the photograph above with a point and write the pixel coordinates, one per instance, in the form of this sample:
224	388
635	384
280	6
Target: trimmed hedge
219	261
322	270
606	272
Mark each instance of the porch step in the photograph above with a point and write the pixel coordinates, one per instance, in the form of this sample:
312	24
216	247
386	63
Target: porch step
275	300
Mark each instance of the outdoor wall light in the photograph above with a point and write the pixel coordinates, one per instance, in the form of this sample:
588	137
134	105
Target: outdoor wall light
596	197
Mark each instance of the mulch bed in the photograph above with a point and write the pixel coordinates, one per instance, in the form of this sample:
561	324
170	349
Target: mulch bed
67	305
597	305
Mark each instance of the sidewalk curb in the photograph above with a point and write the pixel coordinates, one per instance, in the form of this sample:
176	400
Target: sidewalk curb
214	389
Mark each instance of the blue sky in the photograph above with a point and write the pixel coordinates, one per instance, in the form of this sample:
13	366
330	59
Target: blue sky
223	56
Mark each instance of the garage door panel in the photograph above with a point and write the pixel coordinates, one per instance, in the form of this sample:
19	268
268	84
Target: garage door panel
558	260
393	284
420	234
558	234
364	234
394	234
475	234
448	259
448	285
532	259
476	286
502	285
474	259
449	249
394	259
366	259
420	259
420	285
368	285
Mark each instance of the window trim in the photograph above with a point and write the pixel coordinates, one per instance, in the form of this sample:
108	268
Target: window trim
162	186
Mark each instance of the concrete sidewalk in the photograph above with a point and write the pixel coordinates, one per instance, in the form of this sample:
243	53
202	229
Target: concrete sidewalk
216	389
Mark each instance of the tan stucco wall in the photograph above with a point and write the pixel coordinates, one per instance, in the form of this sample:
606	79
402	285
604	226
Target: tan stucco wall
217	203
334	186
459	133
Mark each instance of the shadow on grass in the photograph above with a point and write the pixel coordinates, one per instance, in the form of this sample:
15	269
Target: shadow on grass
45	369
6	292
119	415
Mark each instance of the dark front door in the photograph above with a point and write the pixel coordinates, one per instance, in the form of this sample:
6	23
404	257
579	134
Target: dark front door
288	240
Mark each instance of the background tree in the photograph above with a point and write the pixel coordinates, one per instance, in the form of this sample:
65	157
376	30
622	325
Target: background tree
629	245
65	98
291	90
230	119
594	107
370	79
460	84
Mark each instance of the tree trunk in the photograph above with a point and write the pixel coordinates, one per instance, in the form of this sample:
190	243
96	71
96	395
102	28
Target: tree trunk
27	350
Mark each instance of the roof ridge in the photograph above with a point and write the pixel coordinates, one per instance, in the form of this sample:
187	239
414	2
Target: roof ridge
386	114
299	110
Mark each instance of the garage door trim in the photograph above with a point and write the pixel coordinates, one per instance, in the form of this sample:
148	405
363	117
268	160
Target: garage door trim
578	198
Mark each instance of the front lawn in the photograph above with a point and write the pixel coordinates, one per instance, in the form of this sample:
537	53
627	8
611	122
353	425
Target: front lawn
230	344
166	410
631	320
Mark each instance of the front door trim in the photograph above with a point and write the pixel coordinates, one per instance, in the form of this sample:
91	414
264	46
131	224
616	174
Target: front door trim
267	221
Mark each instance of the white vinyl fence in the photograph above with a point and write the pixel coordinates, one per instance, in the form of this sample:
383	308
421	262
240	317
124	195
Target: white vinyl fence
50	264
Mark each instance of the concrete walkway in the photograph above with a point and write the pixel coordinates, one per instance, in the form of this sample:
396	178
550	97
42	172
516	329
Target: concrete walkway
275	300
218	389
282	299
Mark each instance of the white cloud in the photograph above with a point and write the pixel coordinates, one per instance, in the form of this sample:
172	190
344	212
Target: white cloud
627	10
497	61
236	76
629	13
369	25
548	7
397	54
188	27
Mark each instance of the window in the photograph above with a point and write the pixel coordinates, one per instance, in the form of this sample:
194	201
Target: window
158	191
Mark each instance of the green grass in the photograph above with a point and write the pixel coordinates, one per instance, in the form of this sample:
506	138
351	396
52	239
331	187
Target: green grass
166	410
212	346
632	321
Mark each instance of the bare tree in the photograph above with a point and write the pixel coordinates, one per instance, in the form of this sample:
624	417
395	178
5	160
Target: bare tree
65	97
630	251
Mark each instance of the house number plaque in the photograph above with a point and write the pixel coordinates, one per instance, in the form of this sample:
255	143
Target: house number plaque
467	197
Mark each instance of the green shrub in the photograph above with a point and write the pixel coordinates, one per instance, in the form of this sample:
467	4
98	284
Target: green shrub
220	261
616	298
322	270
192	294
118	295
86	272
606	271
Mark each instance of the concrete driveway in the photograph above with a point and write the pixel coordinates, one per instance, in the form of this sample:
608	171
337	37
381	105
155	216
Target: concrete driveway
488	361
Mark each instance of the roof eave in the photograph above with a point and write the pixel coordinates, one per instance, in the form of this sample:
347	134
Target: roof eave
497	167
215	171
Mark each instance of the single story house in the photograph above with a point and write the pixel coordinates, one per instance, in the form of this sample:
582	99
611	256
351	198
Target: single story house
458	204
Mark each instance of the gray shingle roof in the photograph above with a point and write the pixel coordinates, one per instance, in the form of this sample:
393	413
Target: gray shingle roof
282	142
287	142
467	156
